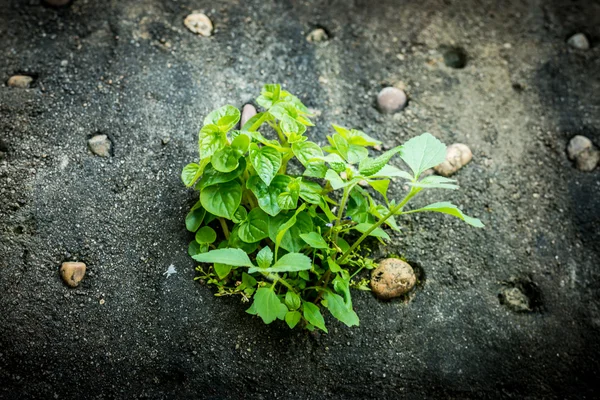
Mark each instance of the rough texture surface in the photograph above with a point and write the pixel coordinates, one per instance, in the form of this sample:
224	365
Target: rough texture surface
131	68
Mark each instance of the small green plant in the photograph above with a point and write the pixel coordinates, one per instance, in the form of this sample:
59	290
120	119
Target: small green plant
292	244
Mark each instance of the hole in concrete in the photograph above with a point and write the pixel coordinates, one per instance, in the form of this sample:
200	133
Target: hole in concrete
518	87
521	295
19	229
454	57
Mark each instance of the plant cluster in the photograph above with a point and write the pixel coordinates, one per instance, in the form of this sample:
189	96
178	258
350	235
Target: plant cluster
291	244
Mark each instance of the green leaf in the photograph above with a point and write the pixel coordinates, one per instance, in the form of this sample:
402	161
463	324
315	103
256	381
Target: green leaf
291	262
226	159
381	186
190	174
333	266
450	209
266	161
222	199
235	242
255	227
356	137
212	177
193	248
339	309
314	240
310	192
267	195
194	218
313	315
210	139
356	154
335	162
371	166
435	181
206	235
225	118
235	257
377	232
292	300
423	152
287	200
264	258
389	171
292	318
336	181
278	230
241	143
341	145
267	305
269	95
222	270
240	215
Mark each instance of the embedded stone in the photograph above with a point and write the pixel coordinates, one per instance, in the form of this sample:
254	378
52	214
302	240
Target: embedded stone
457	156
579	41
317	35
199	23
20	81
581	150
72	273
100	145
391	100
392	278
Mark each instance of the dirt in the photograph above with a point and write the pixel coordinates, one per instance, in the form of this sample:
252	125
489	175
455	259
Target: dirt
513	91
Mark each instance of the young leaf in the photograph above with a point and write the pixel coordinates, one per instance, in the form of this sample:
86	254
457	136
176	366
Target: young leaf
225	118
222	270
291	262
226	159
381	186
212	177
336	181
282	230
389	171
240	215
371	166
266	161
190	174
339	309
264	258
255	227
313	315
287	200
206	235
292	300
292	318
267	305
356	137
269	95
235	257
210	139
314	240
377	232
241	143
255	122
222	199
423	152
450	209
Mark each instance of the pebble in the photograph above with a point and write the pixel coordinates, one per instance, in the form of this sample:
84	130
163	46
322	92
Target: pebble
72	273
247	112
317	35
100	145
20	81
392	278
391	100
579	41
515	299
584	153
457	156
199	23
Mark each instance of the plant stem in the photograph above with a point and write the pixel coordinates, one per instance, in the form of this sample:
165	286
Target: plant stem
376	225
347	190
259	122
277	129
224	226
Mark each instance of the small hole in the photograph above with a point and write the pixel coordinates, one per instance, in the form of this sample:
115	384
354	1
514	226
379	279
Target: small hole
455	57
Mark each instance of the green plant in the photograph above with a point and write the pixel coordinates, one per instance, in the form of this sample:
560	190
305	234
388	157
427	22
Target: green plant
293	243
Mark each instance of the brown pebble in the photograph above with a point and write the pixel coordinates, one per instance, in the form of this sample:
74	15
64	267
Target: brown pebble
72	272
391	100
20	81
392	278
247	112
457	156
199	23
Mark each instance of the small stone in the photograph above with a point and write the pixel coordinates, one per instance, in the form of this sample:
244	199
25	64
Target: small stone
102	301
57	3
247	112
72	273
20	81
579	41
391	100
100	145
584	153
166	140
515	299
457	156
363	183
199	23
317	35
377	147
392	278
